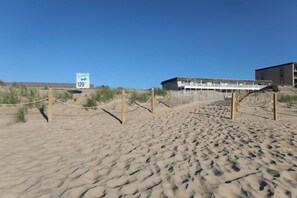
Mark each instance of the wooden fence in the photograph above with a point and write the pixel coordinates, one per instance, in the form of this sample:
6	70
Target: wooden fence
236	99
123	104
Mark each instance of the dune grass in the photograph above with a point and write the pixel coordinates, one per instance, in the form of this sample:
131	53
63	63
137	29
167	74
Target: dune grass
20	115
102	94
21	94
273	87
63	95
10	96
289	99
139	96
160	92
91	102
105	94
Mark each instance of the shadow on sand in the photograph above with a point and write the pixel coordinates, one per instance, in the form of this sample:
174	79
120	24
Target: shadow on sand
143	107
161	102
112	115
41	110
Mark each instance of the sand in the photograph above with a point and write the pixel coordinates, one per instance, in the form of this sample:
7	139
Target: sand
194	150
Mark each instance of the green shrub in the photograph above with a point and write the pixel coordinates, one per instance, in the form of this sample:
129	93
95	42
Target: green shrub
104	94
255	93
118	90
160	92
91	102
273	87
63	95
31	95
68	96
10	96
24	95
24	91
139	97
2	83
40	105
291	99
21	114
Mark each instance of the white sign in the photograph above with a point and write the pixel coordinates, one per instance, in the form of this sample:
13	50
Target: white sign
82	80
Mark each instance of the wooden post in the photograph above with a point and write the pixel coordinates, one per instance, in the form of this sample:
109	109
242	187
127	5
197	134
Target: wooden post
244	93
233	106
170	99
236	102
275	106
123	107
152	100
50	105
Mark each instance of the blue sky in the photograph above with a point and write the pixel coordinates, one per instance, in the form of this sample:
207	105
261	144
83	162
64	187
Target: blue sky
139	43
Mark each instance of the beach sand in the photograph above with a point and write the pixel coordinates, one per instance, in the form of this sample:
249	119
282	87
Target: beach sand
194	150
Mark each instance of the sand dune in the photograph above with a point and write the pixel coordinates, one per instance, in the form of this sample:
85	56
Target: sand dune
190	151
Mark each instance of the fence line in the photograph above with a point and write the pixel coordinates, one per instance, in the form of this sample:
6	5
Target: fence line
144	102
237	103
184	96
127	111
133	109
163	100
123	100
284	105
80	107
261	106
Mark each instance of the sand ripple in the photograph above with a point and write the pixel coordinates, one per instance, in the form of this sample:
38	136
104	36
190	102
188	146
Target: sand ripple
192	151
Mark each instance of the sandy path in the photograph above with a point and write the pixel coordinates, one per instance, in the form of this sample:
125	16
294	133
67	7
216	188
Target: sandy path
192	151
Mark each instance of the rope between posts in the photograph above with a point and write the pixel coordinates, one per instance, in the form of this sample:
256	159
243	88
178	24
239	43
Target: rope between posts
80	107
281	104
147	100
255	106
127	111
164	99
138	105
144	102
133	109
25	103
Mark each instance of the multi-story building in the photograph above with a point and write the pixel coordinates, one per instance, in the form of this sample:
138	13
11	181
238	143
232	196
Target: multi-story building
180	83
284	74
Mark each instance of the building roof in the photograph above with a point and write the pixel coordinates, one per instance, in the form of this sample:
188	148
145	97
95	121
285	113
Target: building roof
264	68
215	80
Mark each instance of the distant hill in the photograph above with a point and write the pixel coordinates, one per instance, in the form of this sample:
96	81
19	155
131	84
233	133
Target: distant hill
43	85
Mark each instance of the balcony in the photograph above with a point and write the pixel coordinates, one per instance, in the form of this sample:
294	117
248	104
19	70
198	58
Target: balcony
193	85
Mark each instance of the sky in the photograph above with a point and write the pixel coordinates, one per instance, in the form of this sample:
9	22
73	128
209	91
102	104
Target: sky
140	43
